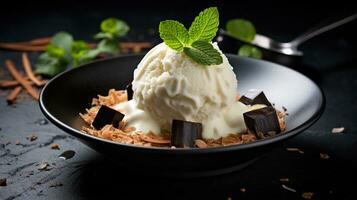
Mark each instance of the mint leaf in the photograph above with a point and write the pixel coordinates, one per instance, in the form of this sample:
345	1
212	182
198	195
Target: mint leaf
86	57
250	51
203	53
241	29
54	51
50	66
78	51
62	40
79	46
205	25
114	26
108	46
174	34
57	55
102	35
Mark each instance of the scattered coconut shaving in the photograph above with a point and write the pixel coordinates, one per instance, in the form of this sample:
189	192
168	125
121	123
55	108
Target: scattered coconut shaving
128	135
324	156
295	150
307	195
284	180
338	130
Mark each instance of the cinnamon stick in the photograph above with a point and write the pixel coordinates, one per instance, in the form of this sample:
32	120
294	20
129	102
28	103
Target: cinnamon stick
34	42
14	83
17	76
8	83
133	45
28	69
21	47
10	99
39	44
40	41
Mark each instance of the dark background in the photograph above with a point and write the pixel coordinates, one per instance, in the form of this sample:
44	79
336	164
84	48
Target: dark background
88	175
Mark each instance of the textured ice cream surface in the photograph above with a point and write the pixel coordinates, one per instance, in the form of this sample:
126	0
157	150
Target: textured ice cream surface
137	118
169	85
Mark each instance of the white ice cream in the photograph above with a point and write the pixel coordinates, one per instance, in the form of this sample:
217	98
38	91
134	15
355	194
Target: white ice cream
137	118
169	85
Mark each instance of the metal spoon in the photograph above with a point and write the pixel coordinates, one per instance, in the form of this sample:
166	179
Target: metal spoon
284	53
291	48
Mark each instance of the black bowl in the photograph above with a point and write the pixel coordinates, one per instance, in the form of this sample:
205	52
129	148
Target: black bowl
71	92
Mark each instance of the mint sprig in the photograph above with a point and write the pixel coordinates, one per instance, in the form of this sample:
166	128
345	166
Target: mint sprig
241	29
64	51
250	51
57	56
195	42
205	25
174	34
244	30
204	53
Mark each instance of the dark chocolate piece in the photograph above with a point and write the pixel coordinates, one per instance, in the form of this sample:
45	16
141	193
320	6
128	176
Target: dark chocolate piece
106	116
263	122
184	133
254	96
3	181
129	91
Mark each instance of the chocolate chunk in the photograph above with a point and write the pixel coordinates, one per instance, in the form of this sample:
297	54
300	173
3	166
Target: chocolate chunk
106	116
254	96
263	122
184	133
3	181
129	91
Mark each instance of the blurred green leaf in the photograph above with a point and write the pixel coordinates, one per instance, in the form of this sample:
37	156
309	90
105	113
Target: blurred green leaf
108	46
114	26
55	52
102	35
86	57
50	66
78	52
241	29
250	51
79	48
64	51
62	40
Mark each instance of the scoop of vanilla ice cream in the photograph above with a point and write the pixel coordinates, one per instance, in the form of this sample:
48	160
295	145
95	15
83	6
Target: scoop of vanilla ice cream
137	118
169	85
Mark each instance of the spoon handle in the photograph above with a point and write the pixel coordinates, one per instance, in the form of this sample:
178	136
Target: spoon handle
321	29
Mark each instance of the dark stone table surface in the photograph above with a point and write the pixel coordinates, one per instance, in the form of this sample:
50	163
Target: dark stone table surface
331	61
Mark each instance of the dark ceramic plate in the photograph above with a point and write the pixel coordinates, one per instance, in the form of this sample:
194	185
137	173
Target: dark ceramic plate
71	92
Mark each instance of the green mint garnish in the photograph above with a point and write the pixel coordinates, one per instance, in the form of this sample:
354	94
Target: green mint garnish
203	53
63	51
78	51
57	55
49	65
241	29
250	51
195	42
112	28
62	40
205	25
174	34
55	52
115	27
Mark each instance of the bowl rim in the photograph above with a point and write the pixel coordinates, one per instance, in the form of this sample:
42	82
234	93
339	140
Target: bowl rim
261	142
